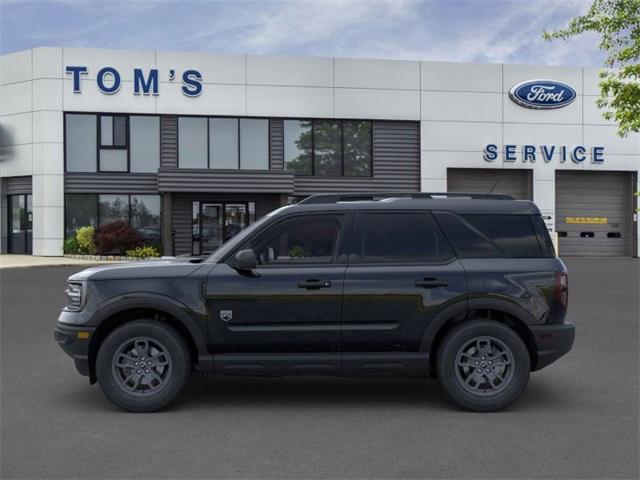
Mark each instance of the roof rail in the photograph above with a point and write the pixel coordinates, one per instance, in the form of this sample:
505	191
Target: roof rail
363	197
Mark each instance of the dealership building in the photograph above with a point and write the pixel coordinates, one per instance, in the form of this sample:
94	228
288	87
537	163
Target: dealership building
189	148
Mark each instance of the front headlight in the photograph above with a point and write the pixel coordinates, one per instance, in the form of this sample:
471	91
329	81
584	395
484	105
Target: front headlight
75	296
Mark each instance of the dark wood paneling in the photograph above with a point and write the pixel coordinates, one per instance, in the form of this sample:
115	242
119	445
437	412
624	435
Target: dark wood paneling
168	141
18	185
276	149
225	181
110	183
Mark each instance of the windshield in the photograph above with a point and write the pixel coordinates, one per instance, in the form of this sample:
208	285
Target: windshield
233	242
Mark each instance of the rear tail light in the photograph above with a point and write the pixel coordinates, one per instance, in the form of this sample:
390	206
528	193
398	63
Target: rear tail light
562	288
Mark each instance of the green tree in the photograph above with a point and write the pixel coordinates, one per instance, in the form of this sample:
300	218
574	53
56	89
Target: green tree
618	23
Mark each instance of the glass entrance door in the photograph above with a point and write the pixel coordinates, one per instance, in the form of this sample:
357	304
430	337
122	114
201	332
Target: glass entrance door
213	223
20	223
235	219
211	227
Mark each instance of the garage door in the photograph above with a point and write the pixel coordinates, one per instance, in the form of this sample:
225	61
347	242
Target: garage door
516	183
593	213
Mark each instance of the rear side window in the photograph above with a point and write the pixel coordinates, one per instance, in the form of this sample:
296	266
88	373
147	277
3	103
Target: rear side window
548	250
467	241
399	237
491	236
513	234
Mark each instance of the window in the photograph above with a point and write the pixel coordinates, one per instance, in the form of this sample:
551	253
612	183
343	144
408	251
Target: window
329	147
309	239
357	149
80	142
223	142
483	236
297	146
113	131
112	208
80	211
513	234
192	142
544	239
254	144
467	242
402	238
146	218
142	212
145	143
113	143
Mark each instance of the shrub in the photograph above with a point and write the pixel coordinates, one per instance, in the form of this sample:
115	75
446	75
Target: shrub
116	237
70	245
146	251
84	240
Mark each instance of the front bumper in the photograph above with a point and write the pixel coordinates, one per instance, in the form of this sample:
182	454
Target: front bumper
552	342
75	343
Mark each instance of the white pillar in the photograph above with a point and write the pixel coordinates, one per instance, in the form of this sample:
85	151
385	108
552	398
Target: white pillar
544	193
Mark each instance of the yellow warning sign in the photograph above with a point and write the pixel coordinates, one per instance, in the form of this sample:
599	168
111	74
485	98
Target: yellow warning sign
587	220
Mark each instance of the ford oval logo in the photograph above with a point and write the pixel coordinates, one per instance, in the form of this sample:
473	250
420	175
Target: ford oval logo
542	94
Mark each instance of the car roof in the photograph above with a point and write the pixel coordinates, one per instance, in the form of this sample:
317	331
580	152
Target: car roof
461	203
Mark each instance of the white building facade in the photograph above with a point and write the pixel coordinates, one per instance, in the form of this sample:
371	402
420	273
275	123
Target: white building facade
190	147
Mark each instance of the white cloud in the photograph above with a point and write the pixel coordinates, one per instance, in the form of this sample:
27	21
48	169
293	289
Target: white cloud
446	30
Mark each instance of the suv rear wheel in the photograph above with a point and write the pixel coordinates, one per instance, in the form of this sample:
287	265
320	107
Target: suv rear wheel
483	365
143	365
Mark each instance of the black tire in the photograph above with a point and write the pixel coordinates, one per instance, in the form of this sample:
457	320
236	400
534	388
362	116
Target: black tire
464	371
121	365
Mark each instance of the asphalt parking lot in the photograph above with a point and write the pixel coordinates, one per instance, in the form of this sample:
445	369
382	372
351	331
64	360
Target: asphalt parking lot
578	418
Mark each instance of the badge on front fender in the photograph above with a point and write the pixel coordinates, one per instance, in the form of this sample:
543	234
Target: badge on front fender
226	315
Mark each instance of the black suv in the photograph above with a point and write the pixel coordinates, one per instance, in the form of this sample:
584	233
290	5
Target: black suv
464	287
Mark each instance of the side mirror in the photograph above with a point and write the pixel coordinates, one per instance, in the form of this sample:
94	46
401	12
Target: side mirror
245	260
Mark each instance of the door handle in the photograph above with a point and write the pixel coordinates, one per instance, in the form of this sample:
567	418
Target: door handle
314	284
431	283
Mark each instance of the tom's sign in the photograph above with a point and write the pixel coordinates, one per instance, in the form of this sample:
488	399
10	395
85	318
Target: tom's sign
542	94
108	80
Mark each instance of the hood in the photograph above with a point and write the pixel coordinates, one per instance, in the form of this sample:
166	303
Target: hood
170	267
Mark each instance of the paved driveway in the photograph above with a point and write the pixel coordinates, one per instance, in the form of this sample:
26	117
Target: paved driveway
578	418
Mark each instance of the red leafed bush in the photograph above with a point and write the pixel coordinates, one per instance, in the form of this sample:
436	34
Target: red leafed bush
116	238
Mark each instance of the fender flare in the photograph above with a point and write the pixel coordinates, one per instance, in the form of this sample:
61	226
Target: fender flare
455	309
181	312
497	302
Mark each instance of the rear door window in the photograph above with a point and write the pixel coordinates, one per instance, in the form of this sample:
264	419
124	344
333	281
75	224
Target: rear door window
402	237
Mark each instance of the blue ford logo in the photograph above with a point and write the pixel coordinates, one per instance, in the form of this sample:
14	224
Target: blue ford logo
542	94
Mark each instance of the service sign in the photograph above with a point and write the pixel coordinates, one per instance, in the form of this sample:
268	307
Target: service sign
542	94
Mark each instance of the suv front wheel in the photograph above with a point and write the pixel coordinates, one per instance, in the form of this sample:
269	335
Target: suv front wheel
143	365
483	365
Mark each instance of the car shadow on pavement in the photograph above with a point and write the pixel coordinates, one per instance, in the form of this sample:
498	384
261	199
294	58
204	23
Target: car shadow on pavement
204	392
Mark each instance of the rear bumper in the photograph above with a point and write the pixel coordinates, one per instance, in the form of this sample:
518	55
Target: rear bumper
552	342
74	341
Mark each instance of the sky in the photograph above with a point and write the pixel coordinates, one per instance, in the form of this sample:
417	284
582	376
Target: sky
487	31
